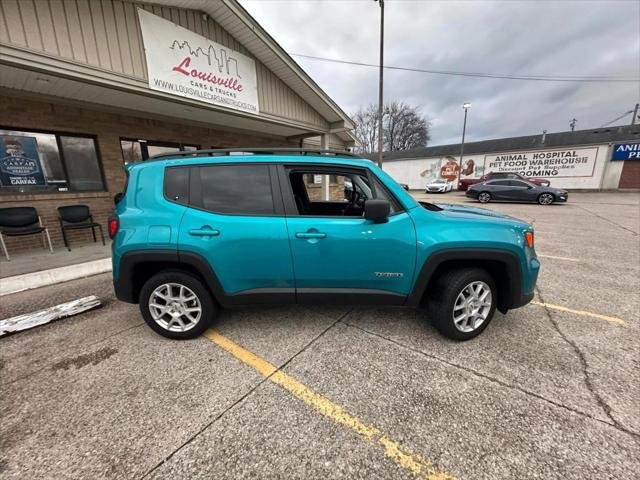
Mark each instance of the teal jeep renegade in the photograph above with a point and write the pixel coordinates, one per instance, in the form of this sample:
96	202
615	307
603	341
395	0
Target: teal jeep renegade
194	232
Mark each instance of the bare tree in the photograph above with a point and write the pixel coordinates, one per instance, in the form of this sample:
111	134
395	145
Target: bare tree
403	127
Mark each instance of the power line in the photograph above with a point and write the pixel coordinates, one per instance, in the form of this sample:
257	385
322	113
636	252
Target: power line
616	119
540	78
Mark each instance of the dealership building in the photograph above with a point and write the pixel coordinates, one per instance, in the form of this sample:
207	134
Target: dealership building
88	85
598	159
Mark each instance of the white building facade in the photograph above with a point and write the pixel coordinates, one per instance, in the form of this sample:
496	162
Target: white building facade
573	160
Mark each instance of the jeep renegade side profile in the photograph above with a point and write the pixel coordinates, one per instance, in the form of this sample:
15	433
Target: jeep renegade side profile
193	234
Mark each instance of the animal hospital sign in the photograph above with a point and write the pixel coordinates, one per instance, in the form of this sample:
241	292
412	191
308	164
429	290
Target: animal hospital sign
183	63
573	162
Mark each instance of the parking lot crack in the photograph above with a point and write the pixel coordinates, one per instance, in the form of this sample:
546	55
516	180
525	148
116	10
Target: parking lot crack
246	395
608	220
585	372
612	423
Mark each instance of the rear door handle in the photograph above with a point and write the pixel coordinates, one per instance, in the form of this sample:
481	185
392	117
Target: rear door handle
204	232
311	235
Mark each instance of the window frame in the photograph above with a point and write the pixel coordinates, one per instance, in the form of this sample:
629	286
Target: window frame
195	188
57	134
291	209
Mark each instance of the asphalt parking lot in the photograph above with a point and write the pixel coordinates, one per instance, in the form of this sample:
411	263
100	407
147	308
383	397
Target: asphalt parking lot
551	390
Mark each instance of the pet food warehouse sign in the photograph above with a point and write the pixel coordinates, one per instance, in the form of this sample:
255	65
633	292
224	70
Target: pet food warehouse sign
183	63
573	162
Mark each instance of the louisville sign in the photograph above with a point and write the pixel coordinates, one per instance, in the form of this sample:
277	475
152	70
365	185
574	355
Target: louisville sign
573	162
626	151
19	162
181	62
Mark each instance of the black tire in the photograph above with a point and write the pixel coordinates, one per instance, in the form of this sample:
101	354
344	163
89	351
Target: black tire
209	308
442	299
484	197
542	198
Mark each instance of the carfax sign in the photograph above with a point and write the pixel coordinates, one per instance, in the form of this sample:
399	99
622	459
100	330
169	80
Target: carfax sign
19	162
626	151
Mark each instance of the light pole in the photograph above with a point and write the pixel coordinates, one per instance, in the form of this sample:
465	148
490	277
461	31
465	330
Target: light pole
380	133
466	106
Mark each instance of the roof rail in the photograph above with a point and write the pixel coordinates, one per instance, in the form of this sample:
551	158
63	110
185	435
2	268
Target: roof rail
255	151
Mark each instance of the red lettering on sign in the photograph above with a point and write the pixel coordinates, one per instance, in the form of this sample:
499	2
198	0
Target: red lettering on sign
230	83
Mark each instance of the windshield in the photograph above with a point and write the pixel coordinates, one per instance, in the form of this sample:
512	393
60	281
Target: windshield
439	180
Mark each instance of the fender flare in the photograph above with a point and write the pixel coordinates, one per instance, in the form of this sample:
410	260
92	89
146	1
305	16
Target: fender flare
506	258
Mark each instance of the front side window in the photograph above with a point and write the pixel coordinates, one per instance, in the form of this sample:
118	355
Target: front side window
325	193
236	189
48	162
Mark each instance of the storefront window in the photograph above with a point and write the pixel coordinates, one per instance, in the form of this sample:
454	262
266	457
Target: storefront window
32	162
140	150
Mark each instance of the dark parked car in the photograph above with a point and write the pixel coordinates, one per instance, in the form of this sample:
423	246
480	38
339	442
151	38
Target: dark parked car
465	183
516	191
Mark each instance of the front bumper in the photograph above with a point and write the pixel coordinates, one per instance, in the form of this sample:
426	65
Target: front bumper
562	198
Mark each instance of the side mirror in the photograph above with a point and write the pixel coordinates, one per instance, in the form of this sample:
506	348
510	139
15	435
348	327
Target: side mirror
377	210
117	197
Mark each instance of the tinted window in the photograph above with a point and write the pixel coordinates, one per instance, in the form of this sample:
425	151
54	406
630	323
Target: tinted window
237	189
518	183
55	162
501	183
81	161
176	184
499	175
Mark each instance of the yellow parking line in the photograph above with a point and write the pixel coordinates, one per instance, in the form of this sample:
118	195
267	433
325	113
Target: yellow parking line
416	465
558	258
584	313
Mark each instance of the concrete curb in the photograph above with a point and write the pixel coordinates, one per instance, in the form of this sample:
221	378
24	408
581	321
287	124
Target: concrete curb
28	281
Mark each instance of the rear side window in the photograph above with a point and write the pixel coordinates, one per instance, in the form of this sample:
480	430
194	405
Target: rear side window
236	189
176	184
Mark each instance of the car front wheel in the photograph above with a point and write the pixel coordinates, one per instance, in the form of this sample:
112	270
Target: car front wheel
177	305
484	197
463	303
546	199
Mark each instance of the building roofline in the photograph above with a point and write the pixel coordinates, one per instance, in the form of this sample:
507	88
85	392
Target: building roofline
252	36
620	133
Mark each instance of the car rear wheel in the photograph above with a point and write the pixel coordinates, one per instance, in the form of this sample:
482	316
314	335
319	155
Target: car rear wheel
484	197
546	199
177	305
463	303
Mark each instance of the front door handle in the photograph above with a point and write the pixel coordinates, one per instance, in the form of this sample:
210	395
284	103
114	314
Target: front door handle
205	231
311	235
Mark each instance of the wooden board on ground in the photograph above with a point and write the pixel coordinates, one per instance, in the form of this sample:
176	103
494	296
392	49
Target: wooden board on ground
30	320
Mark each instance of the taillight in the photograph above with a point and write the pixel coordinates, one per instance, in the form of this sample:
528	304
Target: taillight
113	224
528	236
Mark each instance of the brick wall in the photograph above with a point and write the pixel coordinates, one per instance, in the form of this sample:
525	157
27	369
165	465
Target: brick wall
630	177
17	113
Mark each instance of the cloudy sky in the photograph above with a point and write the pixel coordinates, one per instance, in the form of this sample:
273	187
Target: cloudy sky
577	38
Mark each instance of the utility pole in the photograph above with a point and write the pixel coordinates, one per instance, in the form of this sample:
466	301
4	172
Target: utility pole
635	114
466	106
573	124
380	96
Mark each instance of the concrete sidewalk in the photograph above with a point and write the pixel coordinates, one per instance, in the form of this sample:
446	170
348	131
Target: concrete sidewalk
39	268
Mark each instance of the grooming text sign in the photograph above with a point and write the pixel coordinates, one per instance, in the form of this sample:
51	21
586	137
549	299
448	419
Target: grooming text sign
181	62
574	162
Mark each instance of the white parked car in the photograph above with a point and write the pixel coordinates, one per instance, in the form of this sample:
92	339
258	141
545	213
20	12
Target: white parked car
439	185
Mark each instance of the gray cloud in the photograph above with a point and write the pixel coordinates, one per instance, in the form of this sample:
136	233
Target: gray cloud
507	37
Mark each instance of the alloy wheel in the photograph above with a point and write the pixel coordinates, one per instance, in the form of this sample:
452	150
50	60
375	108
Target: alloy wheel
545	199
472	306
175	307
484	197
